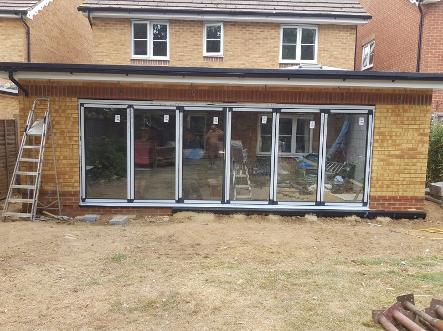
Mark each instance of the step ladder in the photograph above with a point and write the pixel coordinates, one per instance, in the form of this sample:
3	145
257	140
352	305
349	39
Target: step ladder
241	180
26	178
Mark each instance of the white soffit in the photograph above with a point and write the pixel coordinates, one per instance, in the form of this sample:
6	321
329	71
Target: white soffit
189	79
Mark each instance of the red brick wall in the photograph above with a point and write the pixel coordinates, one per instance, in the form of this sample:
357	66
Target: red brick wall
432	51
394	26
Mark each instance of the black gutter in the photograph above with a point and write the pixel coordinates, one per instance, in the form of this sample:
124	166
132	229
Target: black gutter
269	13
302	212
89	19
420	37
217	72
20	86
28	38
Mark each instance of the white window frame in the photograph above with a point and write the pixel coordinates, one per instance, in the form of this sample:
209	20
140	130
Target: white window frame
368	46
150	41
295	118
298	45
213	54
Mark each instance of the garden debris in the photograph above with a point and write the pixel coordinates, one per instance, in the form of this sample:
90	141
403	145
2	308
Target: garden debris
433	230
57	217
405	315
119	220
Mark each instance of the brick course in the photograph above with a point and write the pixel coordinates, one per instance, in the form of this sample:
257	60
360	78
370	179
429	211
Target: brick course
12	40
8	106
61	34
251	45
400	135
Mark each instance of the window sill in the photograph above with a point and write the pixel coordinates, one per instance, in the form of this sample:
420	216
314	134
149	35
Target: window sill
297	62
212	55
367	68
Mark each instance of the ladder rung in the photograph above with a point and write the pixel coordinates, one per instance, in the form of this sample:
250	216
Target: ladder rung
13	214
31	146
243	186
16	200
28	187
27	173
29	160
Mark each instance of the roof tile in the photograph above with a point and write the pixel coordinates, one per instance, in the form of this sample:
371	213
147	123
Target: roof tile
295	7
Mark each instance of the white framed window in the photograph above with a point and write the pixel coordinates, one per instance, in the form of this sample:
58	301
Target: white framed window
367	61
295	135
298	44
213	39
150	40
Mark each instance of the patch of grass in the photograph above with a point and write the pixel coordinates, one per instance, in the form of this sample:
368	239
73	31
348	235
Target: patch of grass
434	278
119	257
155	305
370	261
417	261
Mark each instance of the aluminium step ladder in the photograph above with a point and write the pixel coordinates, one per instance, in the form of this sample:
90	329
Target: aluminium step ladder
240	178
26	179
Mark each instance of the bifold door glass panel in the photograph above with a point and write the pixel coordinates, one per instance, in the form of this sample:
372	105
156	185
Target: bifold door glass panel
250	171
345	157
298	150
105	153
274	155
203	155
154	154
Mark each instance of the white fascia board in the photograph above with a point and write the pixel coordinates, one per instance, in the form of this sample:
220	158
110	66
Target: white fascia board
239	81
37	8
231	18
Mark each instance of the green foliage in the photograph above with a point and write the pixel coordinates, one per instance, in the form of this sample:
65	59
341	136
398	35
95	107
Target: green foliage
435	160
108	156
119	257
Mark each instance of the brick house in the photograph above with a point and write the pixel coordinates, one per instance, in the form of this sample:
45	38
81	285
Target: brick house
40	31
395	38
232	106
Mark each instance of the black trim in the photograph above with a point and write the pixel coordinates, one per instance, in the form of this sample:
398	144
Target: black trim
217	72
20	86
302	212
17	13
225	142
181	200
231	12
420	35
7	92
130	200
28	38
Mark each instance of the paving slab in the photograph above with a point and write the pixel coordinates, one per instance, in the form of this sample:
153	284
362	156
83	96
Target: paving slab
119	220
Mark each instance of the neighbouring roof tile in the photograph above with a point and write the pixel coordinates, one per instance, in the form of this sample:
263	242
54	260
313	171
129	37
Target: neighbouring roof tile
17	5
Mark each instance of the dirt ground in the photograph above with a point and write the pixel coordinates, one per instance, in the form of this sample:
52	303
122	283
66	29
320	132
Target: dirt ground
206	272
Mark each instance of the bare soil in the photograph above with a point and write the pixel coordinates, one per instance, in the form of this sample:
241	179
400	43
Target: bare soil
206	272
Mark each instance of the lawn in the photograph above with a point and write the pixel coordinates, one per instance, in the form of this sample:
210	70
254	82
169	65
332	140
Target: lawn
206	272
